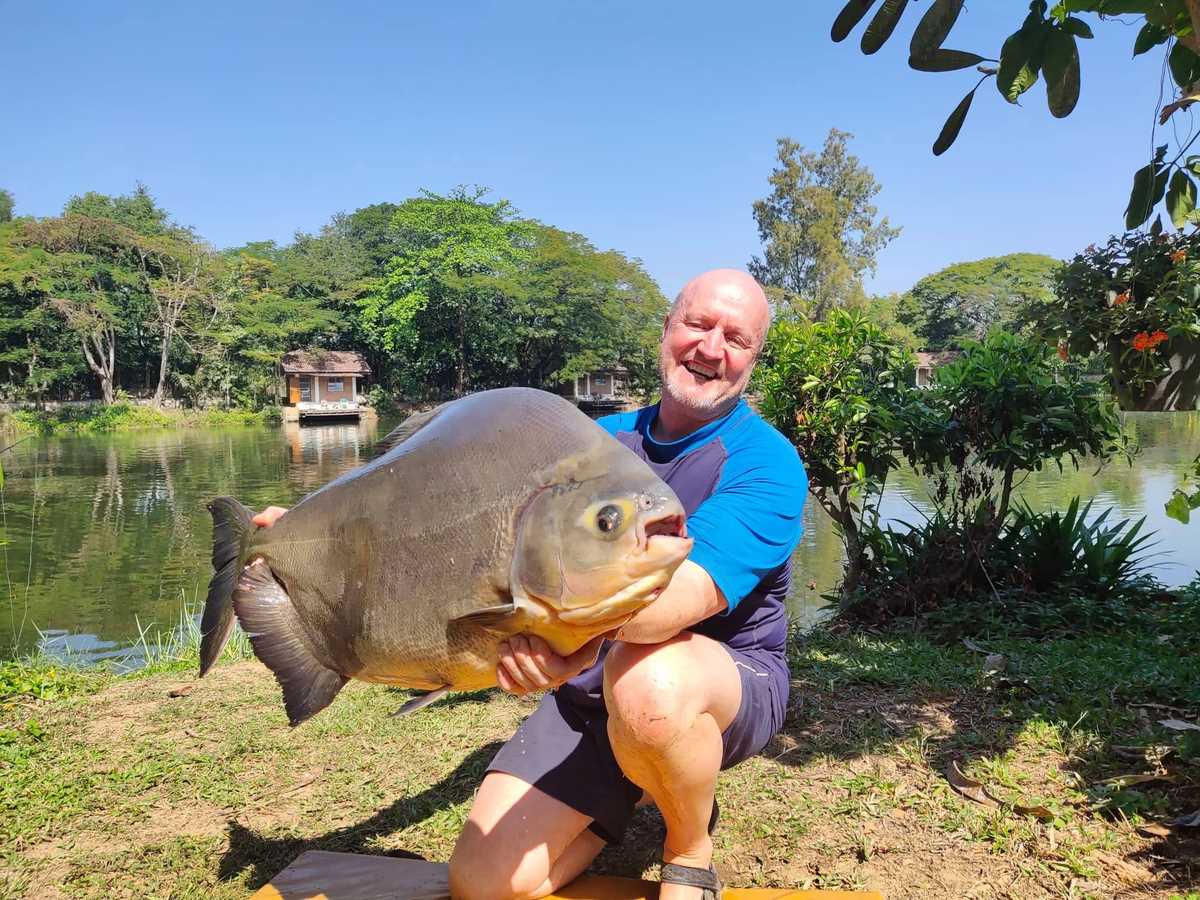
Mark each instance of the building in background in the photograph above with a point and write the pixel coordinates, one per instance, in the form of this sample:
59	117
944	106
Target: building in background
603	388
323	383
927	362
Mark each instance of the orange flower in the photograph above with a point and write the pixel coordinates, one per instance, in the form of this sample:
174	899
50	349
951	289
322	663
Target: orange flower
1157	338
1121	298
1178	256
1141	342
1062	352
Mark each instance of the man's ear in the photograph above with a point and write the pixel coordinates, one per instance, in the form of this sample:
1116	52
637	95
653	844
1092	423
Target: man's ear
666	324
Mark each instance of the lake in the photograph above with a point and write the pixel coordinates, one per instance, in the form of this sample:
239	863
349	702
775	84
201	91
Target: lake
102	536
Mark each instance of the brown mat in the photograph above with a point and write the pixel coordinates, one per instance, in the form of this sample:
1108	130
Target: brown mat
321	875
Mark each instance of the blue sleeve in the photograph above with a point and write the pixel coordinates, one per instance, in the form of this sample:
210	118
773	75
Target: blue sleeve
752	522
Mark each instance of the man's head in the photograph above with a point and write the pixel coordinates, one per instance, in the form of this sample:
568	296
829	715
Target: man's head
711	340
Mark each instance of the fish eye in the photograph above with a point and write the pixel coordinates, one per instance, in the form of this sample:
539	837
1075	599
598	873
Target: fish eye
608	519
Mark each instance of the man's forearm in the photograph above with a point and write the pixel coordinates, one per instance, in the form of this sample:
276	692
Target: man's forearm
690	597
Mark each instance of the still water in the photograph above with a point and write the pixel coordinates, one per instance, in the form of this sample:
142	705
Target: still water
103	536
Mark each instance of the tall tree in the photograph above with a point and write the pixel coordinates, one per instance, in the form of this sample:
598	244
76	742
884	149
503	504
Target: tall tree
967	300
1045	44
818	227
442	300
88	274
37	355
6	206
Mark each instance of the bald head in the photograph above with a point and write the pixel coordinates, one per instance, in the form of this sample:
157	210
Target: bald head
734	286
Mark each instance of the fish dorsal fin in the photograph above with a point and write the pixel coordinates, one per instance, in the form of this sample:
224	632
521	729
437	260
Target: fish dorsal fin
407	429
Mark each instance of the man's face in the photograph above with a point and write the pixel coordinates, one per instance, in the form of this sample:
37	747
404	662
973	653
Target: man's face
709	347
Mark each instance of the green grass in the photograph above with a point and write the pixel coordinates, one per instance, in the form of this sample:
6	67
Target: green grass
123	416
110	786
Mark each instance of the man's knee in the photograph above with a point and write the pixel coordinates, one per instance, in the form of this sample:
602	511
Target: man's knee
646	691
482	870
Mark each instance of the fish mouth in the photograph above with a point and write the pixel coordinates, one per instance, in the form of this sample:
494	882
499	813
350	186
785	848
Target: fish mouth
667	525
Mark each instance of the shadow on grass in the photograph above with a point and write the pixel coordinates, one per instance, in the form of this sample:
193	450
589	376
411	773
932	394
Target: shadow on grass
265	856
1095	700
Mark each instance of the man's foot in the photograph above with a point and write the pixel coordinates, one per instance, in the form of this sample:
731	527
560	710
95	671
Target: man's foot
680	881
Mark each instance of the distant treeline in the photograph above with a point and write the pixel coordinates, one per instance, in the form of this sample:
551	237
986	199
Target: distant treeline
441	294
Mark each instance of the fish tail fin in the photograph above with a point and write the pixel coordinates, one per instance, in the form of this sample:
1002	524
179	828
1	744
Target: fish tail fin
267	615
231	524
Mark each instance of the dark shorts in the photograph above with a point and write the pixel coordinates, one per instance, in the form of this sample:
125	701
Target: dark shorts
563	750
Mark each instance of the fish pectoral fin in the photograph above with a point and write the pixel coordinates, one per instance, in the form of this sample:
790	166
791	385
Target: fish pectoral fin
489	616
265	612
422	700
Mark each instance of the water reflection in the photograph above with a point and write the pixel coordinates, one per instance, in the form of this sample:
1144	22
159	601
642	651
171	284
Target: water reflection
101	534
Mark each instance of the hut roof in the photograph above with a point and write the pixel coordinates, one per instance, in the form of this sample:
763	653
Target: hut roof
936	358
324	362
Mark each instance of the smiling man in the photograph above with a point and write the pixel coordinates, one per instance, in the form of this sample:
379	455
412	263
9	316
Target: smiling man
694	683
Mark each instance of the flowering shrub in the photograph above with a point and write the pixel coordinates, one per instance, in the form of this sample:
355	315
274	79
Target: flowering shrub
1136	297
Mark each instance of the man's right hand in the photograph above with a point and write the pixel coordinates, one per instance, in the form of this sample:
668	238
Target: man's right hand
267	517
528	664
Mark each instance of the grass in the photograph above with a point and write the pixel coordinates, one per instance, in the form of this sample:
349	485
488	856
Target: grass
123	416
159	785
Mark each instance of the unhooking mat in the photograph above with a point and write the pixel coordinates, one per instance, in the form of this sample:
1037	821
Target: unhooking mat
321	875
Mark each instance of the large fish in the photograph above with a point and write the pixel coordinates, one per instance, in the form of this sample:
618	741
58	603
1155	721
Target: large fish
505	512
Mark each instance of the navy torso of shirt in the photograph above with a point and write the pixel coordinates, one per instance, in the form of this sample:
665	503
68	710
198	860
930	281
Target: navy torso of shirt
743	488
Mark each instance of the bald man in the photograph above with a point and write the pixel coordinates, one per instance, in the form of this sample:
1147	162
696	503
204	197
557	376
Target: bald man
694	683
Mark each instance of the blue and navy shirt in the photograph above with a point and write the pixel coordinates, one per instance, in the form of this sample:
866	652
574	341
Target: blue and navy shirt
743	488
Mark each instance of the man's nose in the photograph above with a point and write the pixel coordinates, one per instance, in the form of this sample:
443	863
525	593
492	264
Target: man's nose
712	344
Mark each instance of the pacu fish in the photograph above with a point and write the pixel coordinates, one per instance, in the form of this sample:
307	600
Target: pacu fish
504	512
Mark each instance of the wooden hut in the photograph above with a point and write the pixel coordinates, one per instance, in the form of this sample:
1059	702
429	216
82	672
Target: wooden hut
326	383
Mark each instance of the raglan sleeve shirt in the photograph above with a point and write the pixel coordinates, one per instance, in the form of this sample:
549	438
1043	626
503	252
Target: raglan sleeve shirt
751	523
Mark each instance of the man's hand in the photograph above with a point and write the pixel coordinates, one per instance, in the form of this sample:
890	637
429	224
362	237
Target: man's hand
528	664
267	517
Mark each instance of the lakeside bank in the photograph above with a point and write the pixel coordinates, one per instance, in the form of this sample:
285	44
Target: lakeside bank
125	416
156	783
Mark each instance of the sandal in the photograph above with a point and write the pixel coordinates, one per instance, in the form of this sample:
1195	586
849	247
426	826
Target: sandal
693	877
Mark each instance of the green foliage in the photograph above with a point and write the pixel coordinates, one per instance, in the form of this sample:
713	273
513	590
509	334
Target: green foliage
1043	573
42	681
1046	45
1136	298
839	390
1008	405
6	205
818	227
1181	502
442	294
124	416
967	300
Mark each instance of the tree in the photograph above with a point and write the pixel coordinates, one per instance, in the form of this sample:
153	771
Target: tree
36	354
442	300
1045	45
6	206
967	300
576	309
818	227
137	211
87	272
840	391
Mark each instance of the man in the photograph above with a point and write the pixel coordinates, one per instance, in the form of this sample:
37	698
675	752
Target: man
695	682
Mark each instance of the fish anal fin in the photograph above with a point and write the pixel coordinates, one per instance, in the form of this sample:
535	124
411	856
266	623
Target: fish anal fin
266	614
422	700
406	429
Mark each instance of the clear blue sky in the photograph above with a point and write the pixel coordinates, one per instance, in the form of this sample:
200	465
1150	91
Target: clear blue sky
650	127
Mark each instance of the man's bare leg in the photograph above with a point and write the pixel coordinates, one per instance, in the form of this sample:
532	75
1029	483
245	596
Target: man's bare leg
519	842
667	706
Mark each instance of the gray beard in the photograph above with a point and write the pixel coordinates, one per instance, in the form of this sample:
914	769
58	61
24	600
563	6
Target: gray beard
708	409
